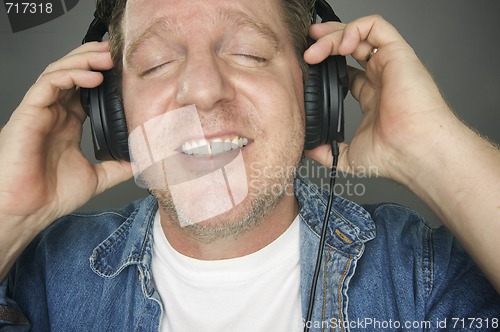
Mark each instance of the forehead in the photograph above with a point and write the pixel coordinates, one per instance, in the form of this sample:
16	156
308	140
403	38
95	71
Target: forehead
196	15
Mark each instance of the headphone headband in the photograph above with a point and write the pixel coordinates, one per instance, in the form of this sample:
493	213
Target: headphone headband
96	30
325	11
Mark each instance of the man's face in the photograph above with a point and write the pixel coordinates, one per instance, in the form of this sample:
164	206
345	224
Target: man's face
234	61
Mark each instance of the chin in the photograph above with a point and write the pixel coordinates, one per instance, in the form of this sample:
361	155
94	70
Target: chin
249	214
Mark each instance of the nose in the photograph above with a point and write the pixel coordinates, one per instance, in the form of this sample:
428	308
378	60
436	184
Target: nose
204	82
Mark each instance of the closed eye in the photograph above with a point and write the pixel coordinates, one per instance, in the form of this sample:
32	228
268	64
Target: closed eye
253	57
249	60
155	69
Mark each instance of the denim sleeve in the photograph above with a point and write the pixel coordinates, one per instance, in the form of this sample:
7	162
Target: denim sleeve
415	274
456	290
11	317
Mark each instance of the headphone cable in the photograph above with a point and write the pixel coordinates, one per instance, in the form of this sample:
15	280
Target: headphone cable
331	196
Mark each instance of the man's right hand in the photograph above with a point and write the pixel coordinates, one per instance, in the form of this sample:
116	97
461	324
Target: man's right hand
44	174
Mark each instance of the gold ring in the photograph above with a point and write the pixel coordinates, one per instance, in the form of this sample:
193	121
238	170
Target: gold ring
372	53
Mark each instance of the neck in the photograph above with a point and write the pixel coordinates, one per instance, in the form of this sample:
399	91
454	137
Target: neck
241	244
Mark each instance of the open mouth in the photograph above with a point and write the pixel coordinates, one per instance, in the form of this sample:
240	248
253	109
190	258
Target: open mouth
213	147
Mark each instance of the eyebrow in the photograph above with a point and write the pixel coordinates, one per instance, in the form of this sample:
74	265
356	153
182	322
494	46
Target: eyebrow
232	17
240	19
159	25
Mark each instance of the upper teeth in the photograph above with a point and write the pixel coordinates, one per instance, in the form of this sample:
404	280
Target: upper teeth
211	147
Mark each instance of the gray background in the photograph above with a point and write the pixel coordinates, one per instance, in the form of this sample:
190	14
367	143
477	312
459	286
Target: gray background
458	40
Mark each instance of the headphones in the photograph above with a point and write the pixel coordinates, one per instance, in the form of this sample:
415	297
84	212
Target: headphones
324	94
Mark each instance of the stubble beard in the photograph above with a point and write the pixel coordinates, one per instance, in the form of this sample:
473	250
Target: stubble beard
265	190
247	215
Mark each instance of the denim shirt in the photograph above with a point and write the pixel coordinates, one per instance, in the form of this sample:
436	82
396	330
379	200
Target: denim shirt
383	269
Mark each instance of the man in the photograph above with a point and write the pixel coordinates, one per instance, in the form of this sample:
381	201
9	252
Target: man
249	267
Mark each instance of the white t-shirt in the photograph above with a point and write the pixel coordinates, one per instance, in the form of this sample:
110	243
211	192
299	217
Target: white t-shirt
257	292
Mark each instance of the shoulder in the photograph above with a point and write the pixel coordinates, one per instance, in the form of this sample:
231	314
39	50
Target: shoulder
81	224
401	229
54	272
402	242
443	269
406	241
397	223
409	258
65	247
388	213
76	235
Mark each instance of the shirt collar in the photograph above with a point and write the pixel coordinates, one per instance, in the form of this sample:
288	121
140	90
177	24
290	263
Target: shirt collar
131	243
350	225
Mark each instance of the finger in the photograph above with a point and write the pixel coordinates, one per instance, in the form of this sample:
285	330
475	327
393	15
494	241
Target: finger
74	106
321	49
328	45
373	29
363	89
92	60
111	173
357	80
357	38
323	155
91	47
327	35
46	91
318	30
362	52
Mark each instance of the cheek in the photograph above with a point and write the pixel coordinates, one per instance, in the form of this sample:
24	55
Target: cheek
280	101
144	100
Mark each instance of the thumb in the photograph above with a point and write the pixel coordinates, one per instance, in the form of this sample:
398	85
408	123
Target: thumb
323	155
111	173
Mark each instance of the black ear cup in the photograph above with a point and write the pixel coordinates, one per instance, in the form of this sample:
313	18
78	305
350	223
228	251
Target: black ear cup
317	116
104	107
115	126
324	94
